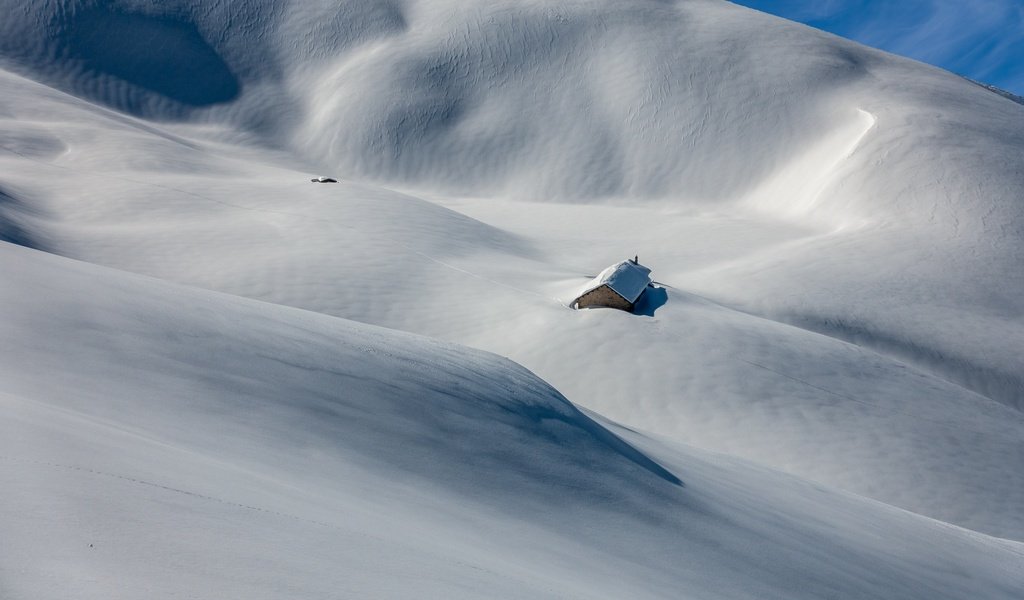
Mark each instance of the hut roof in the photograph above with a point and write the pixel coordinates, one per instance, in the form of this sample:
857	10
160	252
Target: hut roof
627	279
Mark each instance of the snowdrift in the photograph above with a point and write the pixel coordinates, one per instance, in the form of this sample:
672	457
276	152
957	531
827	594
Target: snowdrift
777	171
838	233
904	415
697	105
700	102
262	450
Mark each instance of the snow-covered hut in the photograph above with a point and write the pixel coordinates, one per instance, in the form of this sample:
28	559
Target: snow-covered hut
618	286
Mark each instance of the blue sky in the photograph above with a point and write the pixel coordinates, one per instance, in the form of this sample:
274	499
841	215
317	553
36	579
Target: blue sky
982	39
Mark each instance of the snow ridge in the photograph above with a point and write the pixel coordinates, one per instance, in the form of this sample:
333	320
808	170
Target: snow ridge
837	324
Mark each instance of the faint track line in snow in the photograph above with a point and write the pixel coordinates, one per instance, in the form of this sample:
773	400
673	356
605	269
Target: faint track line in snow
167	488
25	156
249	507
807	383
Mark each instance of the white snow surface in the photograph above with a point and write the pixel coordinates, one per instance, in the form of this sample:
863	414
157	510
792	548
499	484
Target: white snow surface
822	397
627	279
242	449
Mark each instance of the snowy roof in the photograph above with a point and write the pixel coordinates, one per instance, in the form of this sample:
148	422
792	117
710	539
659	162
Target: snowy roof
627	279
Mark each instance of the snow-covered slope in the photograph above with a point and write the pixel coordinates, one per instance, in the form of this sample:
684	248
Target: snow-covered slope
699	101
836	234
887	229
236	448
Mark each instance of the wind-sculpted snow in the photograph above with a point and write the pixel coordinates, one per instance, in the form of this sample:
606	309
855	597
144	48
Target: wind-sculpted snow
698	102
262	449
345	387
167	60
140	59
159	54
835	235
201	205
16	219
567	101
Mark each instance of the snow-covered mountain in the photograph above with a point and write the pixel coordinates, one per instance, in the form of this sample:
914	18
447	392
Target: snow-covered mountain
835	233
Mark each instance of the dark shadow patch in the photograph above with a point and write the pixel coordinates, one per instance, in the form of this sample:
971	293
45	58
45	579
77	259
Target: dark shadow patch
31	142
418	126
163	54
576	419
13	216
650	300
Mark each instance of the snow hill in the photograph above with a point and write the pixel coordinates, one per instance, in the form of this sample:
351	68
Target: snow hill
835	233
245	449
